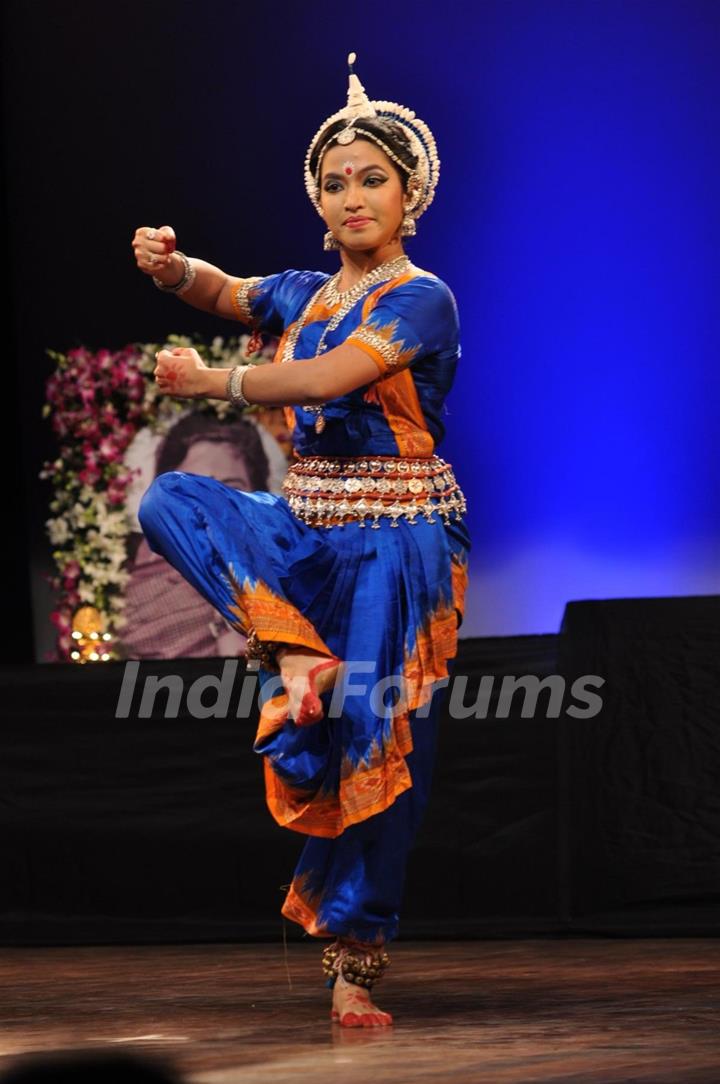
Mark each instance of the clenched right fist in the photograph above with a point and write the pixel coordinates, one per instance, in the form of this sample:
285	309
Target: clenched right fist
154	249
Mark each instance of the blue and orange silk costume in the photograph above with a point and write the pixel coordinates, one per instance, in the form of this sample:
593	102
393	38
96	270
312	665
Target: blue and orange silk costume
390	599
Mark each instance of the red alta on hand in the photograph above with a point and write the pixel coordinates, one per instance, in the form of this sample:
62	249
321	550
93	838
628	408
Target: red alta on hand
169	240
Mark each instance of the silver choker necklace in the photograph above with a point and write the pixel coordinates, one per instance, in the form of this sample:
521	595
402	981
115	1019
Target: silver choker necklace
389	269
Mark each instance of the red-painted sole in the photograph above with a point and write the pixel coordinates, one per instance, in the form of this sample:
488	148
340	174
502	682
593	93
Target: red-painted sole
311	709
355	1020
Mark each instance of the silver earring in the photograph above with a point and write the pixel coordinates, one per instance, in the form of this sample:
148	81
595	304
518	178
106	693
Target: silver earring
408	228
330	242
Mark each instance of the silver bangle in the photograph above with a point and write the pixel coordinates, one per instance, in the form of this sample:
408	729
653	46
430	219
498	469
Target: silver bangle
233	387
185	282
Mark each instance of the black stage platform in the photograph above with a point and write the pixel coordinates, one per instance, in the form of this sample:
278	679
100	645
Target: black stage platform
155	829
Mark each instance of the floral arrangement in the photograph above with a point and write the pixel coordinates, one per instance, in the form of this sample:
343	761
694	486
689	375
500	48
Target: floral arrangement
97	402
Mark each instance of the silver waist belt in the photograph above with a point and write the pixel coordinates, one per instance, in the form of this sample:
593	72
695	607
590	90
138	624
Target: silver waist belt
326	492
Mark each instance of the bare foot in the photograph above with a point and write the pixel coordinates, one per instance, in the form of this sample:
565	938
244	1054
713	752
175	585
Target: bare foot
295	665
353	1008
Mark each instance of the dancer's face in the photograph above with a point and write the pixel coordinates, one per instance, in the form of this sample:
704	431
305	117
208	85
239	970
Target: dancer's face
359	181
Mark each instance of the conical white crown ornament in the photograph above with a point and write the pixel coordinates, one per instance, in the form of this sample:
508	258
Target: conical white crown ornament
358	103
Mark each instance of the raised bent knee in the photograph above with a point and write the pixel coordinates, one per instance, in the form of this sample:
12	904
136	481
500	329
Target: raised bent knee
156	501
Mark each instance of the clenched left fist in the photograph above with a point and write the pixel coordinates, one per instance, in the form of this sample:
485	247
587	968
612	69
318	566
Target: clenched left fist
181	372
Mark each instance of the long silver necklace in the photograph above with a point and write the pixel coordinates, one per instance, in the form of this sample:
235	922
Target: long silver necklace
347	299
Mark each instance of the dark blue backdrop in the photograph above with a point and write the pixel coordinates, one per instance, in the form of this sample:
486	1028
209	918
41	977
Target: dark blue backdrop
576	221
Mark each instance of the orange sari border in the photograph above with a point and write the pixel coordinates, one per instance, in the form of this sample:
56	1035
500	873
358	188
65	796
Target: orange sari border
273	618
301	905
327	815
398	399
273	715
288	412
459	574
371	785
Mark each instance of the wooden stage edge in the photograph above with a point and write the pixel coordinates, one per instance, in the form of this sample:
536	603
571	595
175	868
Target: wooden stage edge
640	1010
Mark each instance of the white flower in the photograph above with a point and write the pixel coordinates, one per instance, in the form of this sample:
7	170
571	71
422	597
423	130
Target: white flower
76	516
58	530
86	593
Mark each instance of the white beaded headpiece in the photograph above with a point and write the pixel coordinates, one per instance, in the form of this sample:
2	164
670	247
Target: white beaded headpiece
358	106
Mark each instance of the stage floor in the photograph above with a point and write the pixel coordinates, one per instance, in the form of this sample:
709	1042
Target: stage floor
545	1010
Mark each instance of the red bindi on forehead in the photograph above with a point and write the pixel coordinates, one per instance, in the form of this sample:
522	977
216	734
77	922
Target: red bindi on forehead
349	167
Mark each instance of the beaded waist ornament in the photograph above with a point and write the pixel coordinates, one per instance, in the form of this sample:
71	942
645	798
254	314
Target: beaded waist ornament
327	492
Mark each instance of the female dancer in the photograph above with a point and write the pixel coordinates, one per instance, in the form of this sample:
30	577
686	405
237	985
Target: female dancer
359	570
